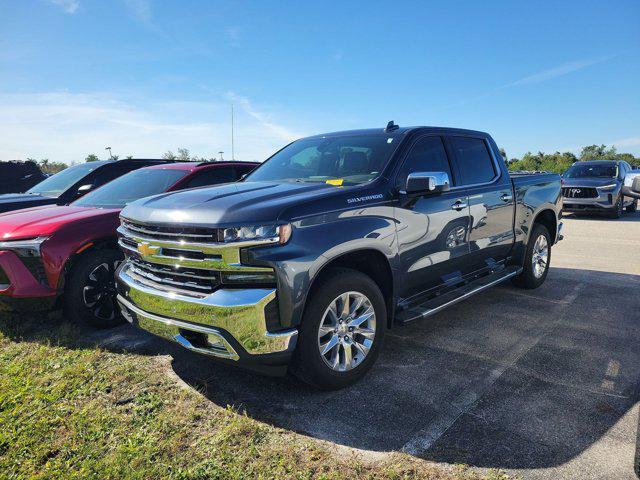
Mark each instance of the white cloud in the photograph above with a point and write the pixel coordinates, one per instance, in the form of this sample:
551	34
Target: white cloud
556	72
69	6
627	142
263	119
140	10
67	127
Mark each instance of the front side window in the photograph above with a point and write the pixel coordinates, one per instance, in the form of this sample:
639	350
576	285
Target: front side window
131	187
474	161
426	155
57	184
344	160
605	170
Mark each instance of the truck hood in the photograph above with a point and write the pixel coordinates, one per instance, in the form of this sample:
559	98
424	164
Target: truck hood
45	221
241	203
14	201
589	182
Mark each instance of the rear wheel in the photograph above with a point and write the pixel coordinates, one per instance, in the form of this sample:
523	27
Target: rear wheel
90	295
537	259
342	330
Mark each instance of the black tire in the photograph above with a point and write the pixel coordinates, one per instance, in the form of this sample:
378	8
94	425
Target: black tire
633	208
619	208
308	363
95	306
528	278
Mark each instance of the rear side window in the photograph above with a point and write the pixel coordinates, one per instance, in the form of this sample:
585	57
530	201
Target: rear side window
426	155
474	162
212	177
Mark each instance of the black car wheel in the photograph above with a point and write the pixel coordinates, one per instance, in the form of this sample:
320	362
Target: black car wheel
537	259
90	295
633	207
342	330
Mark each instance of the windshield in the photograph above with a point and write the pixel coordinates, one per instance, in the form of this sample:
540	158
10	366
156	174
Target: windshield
130	187
57	184
345	160
607	170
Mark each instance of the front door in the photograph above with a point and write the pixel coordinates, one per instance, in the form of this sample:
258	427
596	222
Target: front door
432	229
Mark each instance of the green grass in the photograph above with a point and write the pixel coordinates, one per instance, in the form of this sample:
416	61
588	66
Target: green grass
69	410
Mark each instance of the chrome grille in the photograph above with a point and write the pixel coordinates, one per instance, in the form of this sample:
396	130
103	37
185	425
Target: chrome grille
186	260
187	280
579	192
175	233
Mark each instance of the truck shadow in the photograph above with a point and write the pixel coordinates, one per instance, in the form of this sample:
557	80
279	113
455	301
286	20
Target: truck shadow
512	379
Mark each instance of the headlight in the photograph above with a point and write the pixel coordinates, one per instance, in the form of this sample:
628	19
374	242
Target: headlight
276	233
24	248
608	187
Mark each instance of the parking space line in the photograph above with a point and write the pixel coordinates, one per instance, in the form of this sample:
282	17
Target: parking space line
425	438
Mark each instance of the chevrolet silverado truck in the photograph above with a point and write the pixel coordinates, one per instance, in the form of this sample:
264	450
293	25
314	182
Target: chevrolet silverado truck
596	186
335	238
66	254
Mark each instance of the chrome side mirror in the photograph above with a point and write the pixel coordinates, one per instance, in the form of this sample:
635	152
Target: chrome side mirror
427	182
631	186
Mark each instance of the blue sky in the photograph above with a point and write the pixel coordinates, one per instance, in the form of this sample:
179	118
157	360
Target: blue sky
147	76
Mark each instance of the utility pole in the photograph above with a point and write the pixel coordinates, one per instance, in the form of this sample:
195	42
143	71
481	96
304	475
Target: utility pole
233	155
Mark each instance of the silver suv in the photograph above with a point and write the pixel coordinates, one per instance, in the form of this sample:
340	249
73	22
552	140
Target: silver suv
595	187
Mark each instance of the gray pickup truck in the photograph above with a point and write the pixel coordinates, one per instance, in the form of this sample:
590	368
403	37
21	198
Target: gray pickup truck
334	239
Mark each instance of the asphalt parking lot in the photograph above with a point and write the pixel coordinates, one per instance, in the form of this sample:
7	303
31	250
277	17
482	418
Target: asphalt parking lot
543	384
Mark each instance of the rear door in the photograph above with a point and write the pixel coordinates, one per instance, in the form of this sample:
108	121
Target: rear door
432	229
490	196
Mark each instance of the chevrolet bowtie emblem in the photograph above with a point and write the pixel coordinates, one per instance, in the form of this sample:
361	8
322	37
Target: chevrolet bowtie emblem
145	249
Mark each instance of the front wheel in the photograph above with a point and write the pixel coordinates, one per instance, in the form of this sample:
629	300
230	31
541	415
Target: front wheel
537	259
90	294
342	330
618	210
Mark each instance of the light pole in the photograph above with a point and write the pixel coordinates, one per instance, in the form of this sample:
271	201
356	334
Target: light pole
221	159
110	156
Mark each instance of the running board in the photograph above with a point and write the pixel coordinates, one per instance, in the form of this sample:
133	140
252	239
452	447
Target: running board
433	306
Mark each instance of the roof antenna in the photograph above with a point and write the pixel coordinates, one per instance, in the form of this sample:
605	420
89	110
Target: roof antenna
391	127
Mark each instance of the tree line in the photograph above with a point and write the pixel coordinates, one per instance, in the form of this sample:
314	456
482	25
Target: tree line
559	162
552	162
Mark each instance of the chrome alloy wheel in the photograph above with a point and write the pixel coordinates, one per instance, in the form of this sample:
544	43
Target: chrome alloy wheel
99	292
347	331
540	257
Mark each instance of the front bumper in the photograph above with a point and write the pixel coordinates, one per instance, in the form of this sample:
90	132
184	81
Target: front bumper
604	202
19	288
229	324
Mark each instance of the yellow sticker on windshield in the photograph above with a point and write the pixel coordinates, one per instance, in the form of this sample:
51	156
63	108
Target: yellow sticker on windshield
336	181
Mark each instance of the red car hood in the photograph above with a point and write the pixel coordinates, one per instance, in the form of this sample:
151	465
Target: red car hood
44	221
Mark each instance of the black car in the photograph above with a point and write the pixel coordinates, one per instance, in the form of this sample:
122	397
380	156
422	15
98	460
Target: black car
72	183
16	176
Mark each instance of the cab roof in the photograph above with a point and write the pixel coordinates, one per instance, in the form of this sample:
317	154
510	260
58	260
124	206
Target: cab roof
401	130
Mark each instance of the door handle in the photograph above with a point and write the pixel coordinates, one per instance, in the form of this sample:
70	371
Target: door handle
459	205
505	197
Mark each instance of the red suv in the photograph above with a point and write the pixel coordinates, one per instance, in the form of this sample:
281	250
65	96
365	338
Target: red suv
50	250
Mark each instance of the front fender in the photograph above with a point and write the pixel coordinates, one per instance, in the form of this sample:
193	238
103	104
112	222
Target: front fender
317	241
